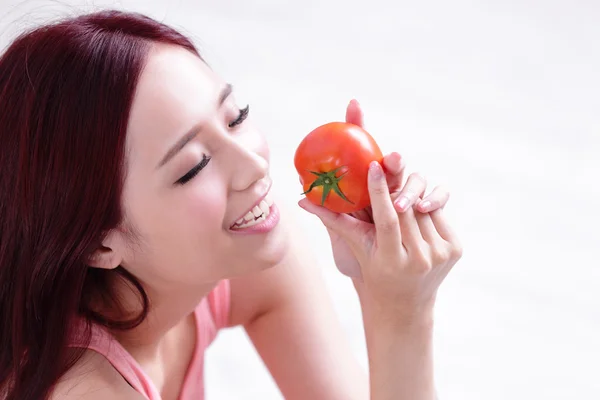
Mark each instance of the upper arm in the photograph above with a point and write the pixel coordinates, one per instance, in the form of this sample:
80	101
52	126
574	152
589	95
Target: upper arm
290	319
93	378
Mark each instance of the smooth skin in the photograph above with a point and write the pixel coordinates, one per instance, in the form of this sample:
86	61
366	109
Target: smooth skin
277	293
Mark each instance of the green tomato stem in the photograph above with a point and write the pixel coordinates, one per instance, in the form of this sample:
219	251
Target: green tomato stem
329	182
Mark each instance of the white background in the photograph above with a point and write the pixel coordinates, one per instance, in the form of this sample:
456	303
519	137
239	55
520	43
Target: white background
499	100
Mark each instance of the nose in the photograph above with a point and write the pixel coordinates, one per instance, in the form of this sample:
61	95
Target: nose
248	167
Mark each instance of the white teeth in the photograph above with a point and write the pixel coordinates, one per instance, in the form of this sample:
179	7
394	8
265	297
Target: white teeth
257	215
269	199
264	207
251	223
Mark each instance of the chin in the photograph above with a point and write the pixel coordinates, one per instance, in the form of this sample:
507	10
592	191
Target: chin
265	255
271	253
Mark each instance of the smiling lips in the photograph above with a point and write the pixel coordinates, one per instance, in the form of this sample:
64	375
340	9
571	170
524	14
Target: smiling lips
257	215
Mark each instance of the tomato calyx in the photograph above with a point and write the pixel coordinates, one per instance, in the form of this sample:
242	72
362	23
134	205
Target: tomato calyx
329	182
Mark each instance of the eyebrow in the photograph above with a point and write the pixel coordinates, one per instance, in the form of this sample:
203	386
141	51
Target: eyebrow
193	132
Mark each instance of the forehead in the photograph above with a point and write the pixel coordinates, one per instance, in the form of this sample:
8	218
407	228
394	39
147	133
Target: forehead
176	90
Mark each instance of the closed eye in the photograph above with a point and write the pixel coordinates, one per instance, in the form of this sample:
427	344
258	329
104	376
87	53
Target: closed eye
241	117
194	171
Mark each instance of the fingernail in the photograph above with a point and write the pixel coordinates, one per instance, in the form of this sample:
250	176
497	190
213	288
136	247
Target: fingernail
375	170
356	103
402	202
424	205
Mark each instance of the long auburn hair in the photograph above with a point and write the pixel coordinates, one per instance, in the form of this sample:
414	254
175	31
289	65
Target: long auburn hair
66	90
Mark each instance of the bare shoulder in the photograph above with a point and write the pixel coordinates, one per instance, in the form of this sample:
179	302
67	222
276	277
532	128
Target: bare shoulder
93	378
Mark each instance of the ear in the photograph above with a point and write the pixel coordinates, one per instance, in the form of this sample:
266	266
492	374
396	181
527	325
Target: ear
109	254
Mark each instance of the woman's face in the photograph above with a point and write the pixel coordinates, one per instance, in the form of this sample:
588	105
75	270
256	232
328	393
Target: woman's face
185	117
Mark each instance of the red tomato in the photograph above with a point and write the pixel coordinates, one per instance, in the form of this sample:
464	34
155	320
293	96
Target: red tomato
333	163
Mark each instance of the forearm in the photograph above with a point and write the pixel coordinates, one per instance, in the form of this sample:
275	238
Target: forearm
401	358
307	354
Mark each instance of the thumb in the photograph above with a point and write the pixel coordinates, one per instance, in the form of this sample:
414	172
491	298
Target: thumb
343	225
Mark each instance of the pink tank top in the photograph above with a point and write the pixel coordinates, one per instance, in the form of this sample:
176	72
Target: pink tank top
211	315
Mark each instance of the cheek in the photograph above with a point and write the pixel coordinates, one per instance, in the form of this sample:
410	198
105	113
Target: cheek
200	208
188	213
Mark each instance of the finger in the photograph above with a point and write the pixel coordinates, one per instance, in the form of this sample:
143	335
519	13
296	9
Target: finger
442	226
354	114
385	217
412	237
342	224
427	228
394	170
411	192
436	199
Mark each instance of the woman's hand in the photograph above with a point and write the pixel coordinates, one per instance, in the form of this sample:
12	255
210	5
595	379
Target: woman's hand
413	194
400	253
403	257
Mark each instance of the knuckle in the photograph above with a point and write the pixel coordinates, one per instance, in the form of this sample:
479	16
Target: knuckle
456	252
443	189
409	194
445	198
419	177
421	263
423	267
441	194
388	225
379	190
441	255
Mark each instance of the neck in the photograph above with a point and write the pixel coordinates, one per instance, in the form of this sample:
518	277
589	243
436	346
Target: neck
169	308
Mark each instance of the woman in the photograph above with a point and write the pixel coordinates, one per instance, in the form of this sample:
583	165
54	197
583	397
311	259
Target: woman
131	232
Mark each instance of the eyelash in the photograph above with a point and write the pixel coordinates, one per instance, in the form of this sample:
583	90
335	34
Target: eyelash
242	116
194	171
